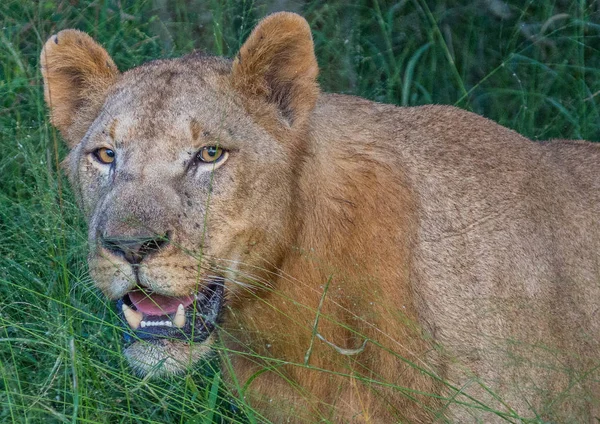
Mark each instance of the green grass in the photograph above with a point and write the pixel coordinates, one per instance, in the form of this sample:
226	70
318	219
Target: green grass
531	65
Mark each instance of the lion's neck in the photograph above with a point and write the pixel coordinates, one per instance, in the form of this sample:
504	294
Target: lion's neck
352	207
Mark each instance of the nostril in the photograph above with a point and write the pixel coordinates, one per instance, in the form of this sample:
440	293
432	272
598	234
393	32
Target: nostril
153	245
135	249
116	244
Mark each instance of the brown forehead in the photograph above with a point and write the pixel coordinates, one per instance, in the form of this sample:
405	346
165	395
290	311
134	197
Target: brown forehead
168	96
164	84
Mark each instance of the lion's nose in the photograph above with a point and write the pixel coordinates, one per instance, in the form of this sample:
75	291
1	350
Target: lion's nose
135	249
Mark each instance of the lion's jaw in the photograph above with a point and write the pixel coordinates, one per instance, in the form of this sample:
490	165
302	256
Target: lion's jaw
166	357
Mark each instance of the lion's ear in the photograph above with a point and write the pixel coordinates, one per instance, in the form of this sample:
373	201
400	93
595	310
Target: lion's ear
277	64
77	75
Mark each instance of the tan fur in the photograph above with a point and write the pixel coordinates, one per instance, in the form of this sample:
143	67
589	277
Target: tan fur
383	264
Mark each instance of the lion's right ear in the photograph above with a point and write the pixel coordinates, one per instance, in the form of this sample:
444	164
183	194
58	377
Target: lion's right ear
77	74
277	65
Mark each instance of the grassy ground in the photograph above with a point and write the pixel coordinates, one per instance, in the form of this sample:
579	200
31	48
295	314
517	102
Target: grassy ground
532	65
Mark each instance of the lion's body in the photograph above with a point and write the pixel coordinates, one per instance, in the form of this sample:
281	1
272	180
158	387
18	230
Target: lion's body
464	254
482	237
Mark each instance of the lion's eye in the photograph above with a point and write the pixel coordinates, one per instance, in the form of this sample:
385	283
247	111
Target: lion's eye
210	154
105	155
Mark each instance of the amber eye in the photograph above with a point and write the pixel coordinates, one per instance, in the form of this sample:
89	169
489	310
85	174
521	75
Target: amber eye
210	154
105	155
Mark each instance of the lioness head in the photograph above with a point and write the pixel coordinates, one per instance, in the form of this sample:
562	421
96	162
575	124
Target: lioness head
185	170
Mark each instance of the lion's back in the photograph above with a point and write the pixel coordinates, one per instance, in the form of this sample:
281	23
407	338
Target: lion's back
505	263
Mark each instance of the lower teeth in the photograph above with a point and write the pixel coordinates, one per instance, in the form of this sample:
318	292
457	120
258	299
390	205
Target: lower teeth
156	324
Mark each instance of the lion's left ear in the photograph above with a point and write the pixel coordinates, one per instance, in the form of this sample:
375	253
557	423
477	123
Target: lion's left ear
277	65
77	74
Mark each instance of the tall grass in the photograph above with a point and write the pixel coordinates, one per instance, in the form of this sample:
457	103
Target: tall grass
532	65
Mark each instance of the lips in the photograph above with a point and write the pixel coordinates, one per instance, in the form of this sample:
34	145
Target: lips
150	316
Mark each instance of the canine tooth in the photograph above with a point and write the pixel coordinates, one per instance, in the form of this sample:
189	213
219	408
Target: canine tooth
134	318
179	319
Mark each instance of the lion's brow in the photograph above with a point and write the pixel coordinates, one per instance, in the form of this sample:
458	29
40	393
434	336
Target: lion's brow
113	129
195	129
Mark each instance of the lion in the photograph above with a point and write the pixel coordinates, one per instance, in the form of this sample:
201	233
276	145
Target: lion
353	261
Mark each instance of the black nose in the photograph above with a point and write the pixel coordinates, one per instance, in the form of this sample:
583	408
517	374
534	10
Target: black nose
135	249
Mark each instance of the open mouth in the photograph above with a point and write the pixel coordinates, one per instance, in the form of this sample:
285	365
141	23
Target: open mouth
151	316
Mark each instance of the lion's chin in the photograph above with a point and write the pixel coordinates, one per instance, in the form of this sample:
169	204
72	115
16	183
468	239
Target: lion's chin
161	357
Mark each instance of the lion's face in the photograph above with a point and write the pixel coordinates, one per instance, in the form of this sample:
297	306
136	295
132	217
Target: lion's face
177	181
185	171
